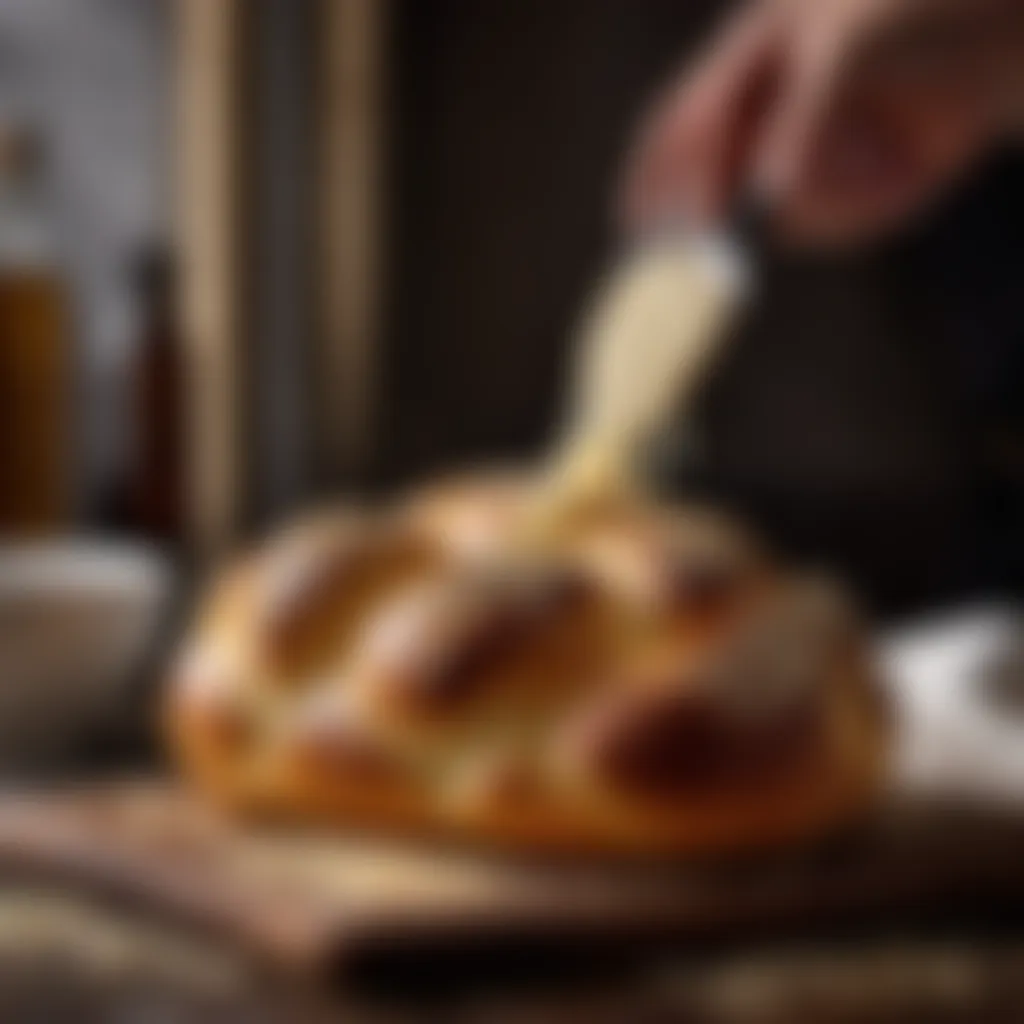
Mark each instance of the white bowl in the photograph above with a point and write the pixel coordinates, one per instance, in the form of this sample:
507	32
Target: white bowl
75	619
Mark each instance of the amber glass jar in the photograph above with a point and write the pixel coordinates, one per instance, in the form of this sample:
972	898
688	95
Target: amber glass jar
35	357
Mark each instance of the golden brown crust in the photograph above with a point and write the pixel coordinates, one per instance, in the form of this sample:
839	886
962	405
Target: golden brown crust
471	519
654	686
319	579
479	646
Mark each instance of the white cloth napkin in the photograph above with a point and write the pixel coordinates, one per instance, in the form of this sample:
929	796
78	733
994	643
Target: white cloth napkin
958	684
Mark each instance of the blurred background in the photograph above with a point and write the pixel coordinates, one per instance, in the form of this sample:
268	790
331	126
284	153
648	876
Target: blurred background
290	247
255	253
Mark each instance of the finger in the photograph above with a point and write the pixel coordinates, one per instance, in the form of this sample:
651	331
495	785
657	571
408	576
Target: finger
857	139
791	132
685	149
655	188
884	167
642	187
723	114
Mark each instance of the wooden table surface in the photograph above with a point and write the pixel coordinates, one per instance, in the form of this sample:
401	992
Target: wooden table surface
109	923
66	960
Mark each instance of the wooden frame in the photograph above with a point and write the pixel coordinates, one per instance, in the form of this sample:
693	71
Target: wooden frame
210	41
350	130
281	284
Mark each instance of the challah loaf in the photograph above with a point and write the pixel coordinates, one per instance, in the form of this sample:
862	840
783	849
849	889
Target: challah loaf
654	685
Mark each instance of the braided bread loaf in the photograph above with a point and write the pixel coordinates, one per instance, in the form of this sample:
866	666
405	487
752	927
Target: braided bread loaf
654	685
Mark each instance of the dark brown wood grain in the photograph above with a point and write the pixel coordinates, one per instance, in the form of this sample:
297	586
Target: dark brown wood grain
310	903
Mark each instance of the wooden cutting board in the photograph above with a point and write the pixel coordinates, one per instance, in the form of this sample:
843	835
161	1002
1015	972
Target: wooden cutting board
310	903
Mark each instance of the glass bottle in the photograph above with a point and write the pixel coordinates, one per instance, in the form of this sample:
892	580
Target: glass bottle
35	357
156	472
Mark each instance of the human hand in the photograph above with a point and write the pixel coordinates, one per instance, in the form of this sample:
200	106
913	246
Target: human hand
848	116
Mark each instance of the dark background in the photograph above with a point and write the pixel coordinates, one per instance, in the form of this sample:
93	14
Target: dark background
868	415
